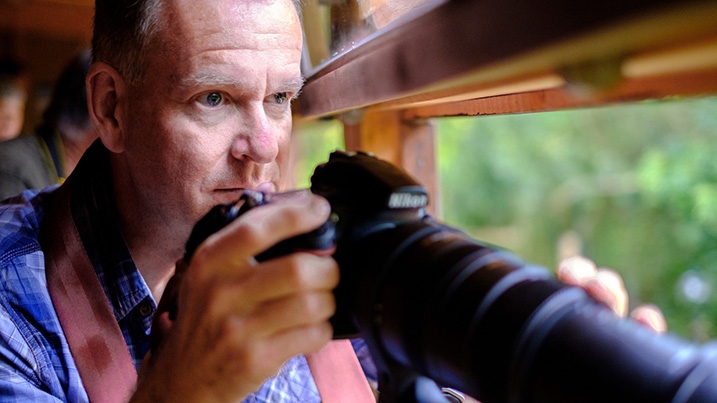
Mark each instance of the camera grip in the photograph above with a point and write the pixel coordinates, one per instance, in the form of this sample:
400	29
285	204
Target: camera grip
321	240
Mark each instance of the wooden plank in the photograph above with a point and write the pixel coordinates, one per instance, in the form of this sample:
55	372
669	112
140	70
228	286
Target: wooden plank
698	83
463	43
595	78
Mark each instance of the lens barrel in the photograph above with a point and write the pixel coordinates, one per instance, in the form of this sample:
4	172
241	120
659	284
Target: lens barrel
478	319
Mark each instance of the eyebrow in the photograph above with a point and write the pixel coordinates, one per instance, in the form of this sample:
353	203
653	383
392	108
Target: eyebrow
206	78
209	78
294	85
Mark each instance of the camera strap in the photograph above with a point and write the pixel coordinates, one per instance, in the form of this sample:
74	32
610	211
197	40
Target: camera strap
338	374
93	334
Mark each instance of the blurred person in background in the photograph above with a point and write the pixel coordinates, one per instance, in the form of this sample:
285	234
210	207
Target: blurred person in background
13	97
48	155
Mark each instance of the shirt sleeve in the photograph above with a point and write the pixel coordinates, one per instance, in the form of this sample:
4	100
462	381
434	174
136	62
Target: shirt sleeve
19	382
364	356
35	361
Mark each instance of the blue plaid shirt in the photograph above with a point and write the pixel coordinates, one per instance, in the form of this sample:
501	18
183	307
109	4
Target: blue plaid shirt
35	360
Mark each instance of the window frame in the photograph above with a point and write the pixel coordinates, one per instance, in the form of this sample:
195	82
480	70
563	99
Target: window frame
554	54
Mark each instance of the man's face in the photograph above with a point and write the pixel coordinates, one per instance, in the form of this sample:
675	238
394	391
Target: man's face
212	115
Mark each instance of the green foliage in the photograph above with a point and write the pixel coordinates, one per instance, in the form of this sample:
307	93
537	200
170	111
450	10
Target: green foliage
637	183
312	143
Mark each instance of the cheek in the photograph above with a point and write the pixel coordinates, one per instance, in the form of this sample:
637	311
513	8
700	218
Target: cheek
190	153
161	150
283	160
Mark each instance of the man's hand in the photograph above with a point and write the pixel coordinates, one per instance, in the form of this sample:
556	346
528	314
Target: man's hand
606	286
239	320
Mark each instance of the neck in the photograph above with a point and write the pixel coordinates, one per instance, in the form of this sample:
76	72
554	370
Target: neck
154	250
154	243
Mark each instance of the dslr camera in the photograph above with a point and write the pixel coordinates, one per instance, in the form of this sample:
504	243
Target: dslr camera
436	307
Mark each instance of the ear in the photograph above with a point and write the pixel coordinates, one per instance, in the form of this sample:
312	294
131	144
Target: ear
105	90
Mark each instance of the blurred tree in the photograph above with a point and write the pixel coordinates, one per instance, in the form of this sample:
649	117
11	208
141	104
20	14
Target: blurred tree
636	183
632	186
311	145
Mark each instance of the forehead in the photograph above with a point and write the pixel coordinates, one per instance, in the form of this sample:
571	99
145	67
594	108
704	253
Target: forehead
245	30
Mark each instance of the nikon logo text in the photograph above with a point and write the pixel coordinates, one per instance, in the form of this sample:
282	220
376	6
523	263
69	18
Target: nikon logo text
407	200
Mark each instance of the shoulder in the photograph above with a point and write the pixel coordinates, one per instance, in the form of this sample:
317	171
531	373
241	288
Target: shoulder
17	150
35	361
34	358
20	219
23	165
21	256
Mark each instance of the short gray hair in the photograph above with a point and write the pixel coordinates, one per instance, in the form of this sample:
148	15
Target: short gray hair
124	31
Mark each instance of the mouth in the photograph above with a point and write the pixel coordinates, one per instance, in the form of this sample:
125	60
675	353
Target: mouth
265	187
229	191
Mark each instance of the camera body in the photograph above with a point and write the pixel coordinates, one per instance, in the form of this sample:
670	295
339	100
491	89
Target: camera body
367	196
434	304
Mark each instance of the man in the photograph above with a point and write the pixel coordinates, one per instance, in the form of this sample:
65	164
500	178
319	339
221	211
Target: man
13	97
190	111
48	155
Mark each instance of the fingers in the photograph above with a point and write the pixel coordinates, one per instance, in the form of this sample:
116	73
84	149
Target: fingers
650	316
603	284
281	276
262	358
606	286
301	311
260	228
292	291
239	320
576	270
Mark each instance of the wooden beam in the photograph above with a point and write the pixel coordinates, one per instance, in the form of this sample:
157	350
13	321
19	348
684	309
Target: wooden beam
697	83
378	133
418	158
408	144
467	43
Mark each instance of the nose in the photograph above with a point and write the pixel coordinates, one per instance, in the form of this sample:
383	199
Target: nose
257	139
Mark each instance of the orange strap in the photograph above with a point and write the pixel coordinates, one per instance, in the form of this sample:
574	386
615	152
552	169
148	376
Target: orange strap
95	339
338	374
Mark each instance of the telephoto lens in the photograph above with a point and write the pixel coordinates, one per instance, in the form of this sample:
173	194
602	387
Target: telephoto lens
438	309
432	302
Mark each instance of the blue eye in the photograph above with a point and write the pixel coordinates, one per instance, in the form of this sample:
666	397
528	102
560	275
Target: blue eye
281	97
212	99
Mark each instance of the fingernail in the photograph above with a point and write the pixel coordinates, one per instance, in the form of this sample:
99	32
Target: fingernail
600	293
577	267
321	206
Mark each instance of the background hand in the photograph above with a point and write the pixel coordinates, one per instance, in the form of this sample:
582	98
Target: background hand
606	286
